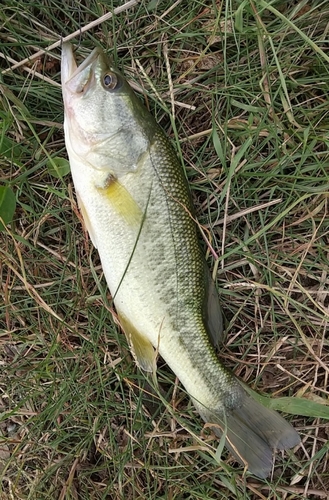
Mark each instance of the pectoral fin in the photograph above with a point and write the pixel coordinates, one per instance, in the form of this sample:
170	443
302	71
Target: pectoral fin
86	220
121	201
141	347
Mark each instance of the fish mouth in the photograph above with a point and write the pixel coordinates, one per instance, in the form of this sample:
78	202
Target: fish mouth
69	67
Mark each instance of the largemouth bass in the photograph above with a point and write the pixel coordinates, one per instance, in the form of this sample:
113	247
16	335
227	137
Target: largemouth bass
136	205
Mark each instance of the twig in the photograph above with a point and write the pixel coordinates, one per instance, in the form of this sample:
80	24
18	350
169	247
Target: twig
171	86
88	27
246	211
29	70
290	489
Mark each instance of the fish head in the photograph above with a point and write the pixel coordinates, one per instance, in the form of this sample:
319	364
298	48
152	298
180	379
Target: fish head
106	126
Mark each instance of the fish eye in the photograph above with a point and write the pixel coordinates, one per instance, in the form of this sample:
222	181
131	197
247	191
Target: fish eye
111	81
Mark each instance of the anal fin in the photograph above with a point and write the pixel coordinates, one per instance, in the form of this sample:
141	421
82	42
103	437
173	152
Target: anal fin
142	349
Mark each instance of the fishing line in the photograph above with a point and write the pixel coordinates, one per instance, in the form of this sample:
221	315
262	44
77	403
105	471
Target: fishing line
135	245
76	7
80	27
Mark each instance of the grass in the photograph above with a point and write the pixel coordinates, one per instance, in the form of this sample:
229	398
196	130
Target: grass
242	89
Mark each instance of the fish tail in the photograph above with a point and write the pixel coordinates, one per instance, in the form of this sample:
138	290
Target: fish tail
251	432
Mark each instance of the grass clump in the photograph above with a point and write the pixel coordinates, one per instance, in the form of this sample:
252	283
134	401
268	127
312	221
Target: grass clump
242	89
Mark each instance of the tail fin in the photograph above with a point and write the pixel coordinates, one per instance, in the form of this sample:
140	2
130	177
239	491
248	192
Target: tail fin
252	431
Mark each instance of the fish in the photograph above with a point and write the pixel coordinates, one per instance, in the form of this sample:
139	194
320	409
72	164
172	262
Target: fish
136	205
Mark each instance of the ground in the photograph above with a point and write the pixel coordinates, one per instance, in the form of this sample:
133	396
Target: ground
241	88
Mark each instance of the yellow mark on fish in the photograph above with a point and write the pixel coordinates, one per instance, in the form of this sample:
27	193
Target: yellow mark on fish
121	200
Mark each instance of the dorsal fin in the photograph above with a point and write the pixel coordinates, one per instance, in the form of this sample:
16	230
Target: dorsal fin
212	312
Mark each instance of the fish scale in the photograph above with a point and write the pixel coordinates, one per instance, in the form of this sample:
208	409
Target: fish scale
136	205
